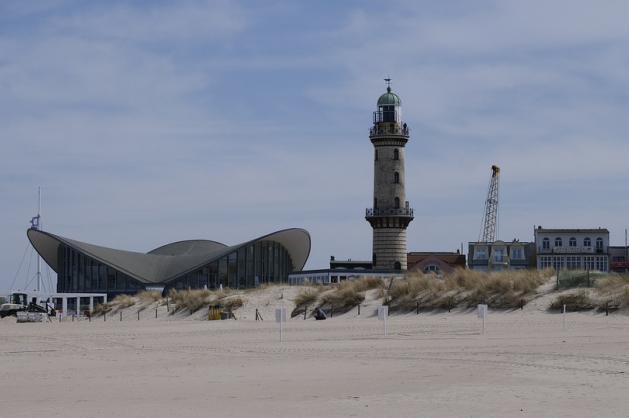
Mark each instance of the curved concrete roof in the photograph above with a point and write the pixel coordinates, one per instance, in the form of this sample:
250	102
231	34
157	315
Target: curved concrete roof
190	247
169	261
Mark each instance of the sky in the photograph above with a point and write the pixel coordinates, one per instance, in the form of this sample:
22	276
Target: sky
147	122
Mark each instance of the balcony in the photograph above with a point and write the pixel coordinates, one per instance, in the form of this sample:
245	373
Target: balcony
389	129
400	212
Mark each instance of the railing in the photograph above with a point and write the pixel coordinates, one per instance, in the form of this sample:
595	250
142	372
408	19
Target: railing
571	250
392	129
389	212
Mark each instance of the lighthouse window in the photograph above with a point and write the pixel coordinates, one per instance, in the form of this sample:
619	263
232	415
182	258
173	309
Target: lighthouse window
397	202
396	177
396	154
376	158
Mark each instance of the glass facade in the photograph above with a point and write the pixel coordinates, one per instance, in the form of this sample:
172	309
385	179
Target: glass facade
249	266
80	273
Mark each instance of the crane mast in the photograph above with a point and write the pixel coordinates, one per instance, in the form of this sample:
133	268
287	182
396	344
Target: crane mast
489	226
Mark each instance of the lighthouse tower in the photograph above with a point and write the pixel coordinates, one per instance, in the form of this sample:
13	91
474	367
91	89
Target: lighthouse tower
391	212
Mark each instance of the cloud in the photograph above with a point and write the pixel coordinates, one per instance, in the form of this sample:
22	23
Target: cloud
194	21
154	122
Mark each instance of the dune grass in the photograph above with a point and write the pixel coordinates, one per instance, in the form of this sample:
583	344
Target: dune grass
614	287
195	299
577	301
348	294
610	292
149	296
466	288
102	309
305	298
232	303
191	300
123	301
342	298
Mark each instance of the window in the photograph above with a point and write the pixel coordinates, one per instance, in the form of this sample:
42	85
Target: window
397	202
558	263
588	263
572	242
376	157
517	253
573	262
397	265
546	262
546	244
375	203
499	255
432	268
558	242
480	253
396	178
587	242
599	243
396	154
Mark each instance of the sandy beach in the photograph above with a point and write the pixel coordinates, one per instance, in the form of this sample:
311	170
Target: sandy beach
430	365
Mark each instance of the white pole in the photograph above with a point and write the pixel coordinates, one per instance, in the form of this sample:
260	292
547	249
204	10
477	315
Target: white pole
281	326
39	228
483	325
385	324
626	254
564	316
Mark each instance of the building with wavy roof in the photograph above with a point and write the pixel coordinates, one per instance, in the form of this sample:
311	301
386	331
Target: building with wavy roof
192	264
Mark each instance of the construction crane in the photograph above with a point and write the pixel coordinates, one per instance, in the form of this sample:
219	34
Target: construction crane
489	226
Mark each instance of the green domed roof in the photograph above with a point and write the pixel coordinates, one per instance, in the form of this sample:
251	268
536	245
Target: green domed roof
389	99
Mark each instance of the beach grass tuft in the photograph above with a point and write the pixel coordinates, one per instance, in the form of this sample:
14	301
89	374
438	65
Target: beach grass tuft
466	288
577	301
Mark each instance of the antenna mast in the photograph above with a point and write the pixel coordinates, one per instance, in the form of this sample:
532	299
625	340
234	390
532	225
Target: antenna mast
36	224
489	227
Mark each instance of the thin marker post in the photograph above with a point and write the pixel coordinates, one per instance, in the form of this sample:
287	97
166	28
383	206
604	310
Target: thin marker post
481	312
280	317
383	314
564	317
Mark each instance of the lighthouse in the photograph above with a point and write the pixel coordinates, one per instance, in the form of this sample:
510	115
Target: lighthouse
391	213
